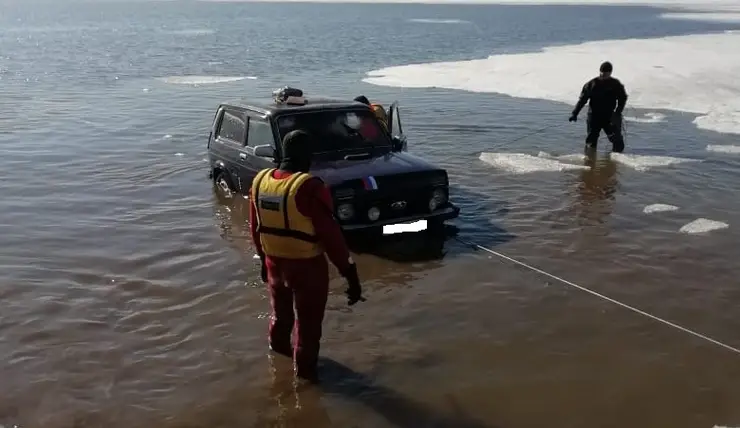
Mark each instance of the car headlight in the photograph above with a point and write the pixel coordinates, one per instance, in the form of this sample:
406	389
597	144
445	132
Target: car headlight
439	197
373	214
345	211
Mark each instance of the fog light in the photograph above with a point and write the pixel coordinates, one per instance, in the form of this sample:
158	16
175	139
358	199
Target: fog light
345	211
373	214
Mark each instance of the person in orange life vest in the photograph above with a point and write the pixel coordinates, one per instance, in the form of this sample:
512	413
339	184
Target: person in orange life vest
377	109
292	225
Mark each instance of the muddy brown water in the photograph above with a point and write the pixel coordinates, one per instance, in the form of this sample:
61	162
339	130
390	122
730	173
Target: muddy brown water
457	338
129	296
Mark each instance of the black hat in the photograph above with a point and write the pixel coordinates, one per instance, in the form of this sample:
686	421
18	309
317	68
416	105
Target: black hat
297	146
606	67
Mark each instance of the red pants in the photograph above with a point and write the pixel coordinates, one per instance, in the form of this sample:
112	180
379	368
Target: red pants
305	284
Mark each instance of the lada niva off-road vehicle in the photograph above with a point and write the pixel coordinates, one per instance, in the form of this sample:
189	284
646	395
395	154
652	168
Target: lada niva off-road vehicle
374	181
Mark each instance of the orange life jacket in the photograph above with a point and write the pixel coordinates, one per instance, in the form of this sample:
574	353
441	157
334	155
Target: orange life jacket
283	230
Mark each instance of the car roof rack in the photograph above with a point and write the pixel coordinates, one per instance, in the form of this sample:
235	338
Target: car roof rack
289	96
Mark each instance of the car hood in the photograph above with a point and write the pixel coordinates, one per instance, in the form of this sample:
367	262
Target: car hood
337	171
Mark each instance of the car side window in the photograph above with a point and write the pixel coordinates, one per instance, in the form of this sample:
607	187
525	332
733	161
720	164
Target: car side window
259	133
233	127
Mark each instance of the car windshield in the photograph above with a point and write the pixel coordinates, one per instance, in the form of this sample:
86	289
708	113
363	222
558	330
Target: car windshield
337	130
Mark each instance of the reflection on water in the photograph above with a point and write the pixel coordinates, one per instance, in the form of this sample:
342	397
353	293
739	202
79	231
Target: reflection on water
398	410
595	189
393	260
299	404
130	298
422	246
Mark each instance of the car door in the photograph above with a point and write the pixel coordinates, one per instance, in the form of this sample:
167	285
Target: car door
394	125
259	133
229	142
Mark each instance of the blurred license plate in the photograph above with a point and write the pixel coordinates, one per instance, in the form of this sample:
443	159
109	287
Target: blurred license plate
416	226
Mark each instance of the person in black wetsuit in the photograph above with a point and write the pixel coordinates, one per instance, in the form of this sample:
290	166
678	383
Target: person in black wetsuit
607	98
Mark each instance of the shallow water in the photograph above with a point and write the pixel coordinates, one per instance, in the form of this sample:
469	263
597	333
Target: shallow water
130	297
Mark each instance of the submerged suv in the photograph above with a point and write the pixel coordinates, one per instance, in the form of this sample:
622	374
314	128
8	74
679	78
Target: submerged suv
374	181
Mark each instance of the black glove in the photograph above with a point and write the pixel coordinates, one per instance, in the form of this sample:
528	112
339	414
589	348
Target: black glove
616	119
354	290
263	270
573	118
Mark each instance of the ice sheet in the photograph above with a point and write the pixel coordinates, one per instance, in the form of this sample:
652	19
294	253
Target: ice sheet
728	148
522	163
192	32
647	118
438	21
703	5
703	225
711	17
575	158
656	72
659	208
202	80
645	162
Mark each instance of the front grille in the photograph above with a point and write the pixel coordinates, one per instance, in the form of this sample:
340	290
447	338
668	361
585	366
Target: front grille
413	190
415	204
411	181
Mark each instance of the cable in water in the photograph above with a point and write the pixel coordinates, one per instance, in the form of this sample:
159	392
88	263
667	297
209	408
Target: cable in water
530	134
601	296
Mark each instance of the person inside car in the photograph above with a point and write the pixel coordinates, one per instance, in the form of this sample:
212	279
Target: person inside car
377	109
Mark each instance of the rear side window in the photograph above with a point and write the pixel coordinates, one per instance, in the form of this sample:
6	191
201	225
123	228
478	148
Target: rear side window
233	127
260	133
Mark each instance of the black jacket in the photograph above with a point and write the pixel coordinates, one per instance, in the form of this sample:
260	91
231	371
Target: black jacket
604	97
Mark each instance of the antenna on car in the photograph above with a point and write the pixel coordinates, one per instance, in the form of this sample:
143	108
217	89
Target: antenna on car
289	96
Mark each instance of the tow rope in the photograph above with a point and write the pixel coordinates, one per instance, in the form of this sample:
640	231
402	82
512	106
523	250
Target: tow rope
601	296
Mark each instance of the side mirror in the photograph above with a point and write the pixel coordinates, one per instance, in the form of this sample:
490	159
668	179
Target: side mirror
265	151
399	143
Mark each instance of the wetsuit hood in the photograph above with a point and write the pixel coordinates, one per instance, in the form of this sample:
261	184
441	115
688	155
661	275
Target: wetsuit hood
297	151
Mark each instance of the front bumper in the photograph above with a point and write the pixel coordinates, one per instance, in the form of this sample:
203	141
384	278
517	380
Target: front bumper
440	215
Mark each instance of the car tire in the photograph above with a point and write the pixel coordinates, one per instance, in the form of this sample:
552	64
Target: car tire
223	183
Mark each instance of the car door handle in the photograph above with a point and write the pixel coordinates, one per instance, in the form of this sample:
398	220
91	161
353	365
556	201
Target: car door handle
243	156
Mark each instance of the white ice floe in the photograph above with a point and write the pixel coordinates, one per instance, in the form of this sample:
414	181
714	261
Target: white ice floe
659	208
692	73
707	16
202	80
703	225
702	5
724	148
648	118
438	21
521	163
570	158
192	32
645	162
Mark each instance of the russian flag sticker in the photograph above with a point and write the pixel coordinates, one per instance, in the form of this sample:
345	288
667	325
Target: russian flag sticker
370	183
